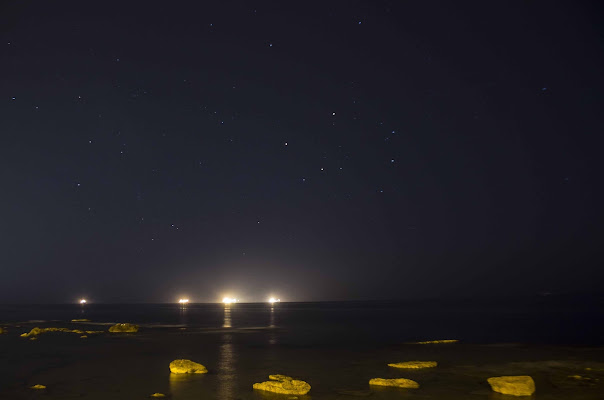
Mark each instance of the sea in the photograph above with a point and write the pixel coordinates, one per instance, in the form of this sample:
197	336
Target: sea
337	347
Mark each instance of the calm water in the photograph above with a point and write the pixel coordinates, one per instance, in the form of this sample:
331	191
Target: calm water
336	347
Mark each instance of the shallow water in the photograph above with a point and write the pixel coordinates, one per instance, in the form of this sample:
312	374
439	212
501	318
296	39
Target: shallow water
336	347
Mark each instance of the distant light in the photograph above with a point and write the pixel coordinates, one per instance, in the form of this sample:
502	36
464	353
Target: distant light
229	300
272	300
183	301
82	301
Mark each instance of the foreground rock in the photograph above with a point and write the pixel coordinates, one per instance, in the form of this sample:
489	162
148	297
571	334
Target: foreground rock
283	384
399	382
38	331
414	364
128	328
438	341
187	367
513	385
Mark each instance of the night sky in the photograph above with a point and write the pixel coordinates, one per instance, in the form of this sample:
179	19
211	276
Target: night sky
308	150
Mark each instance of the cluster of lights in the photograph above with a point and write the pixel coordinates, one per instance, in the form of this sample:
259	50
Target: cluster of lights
82	301
272	300
183	301
229	300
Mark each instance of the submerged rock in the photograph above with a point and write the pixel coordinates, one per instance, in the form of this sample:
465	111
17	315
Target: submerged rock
38	387
283	384
513	385
187	367
128	328
399	382
438	341
414	364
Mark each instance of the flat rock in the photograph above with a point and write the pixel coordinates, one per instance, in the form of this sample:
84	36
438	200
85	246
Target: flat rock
414	364
398	382
513	385
443	341
187	367
128	328
38	331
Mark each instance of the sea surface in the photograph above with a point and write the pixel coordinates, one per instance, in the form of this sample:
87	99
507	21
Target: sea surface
335	346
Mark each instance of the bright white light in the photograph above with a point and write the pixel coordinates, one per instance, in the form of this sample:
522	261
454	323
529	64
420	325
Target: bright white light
183	301
229	300
272	300
82	301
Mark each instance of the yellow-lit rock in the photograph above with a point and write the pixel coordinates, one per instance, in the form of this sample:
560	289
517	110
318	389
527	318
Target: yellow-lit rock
513	385
83	337
80	320
38	331
439	341
38	387
187	367
283	384
128	328
2	331
414	364
279	377
399	382
158	395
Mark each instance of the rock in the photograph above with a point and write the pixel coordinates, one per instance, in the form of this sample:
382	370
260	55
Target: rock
400	382
438	341
38	331
34	332
279	377
158	395
83	337
129	328
2	331
513	385
414	364
187	367
283	384
38	387
80	320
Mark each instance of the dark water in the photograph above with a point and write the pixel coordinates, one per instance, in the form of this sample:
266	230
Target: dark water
543	320
336	347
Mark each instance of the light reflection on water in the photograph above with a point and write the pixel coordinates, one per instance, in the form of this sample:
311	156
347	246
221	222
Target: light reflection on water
272	336
227	317
226	369
182	315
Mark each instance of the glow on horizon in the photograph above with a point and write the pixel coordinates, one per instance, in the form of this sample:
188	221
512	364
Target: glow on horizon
229	300
83	301
272	300
183	301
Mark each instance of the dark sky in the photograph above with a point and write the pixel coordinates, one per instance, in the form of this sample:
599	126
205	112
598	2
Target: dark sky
310	150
